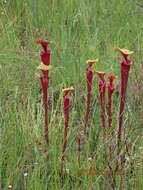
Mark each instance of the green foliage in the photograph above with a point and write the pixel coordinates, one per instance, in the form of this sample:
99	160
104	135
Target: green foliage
78	30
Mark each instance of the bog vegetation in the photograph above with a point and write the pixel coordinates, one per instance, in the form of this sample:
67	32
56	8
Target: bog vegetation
76	121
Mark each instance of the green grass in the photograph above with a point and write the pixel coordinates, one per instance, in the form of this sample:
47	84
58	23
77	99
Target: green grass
78	30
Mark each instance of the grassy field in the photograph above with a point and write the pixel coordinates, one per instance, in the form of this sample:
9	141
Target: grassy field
78	30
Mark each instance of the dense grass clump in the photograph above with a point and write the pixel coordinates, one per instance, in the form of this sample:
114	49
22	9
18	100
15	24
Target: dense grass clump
77	31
